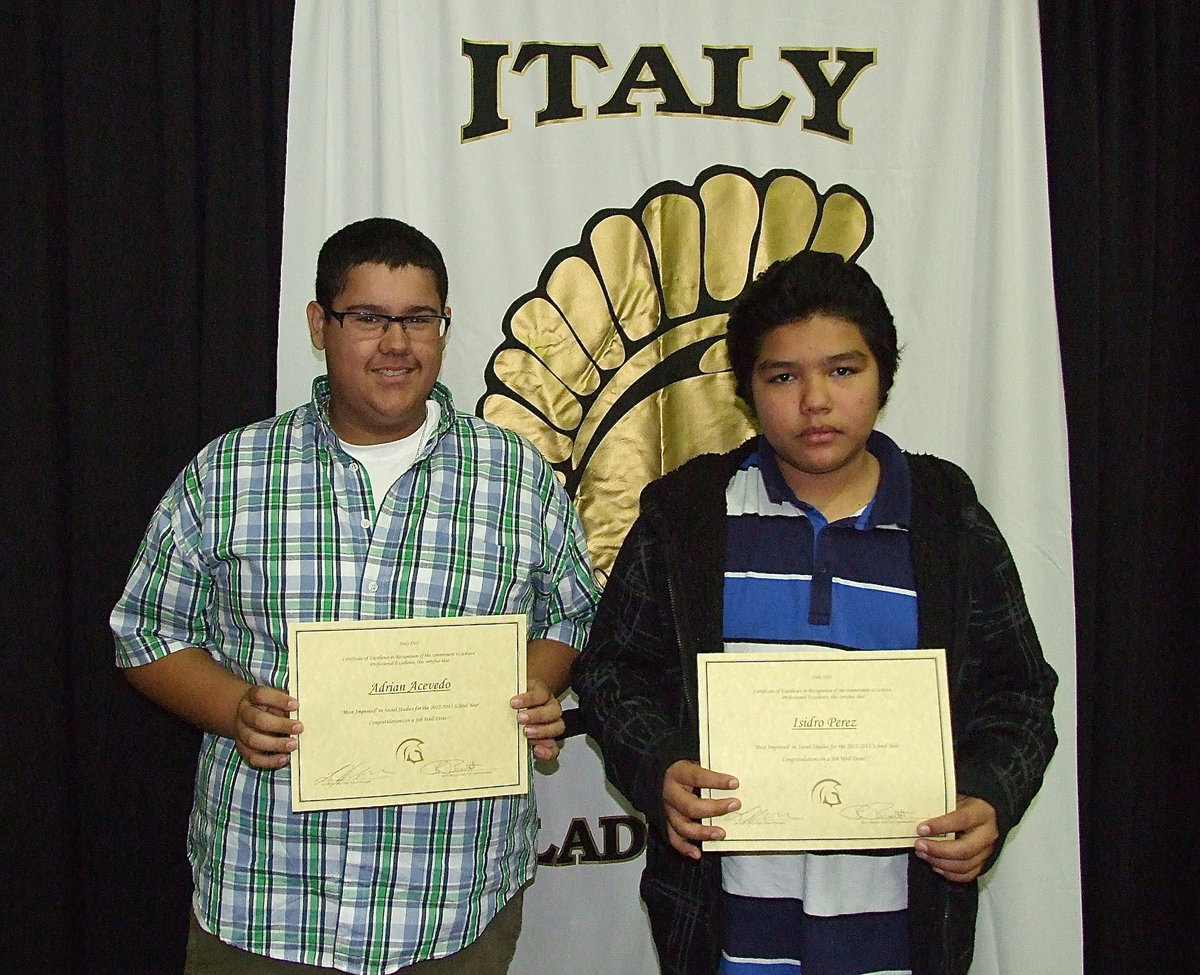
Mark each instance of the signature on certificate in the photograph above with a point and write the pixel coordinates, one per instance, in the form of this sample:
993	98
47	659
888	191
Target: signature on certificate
759	815
453	766
877	812
354	773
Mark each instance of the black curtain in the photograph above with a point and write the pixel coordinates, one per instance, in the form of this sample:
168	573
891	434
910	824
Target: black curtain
1123	131
142	208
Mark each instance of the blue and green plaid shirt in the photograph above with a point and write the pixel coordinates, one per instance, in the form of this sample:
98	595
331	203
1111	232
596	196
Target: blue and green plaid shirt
275	523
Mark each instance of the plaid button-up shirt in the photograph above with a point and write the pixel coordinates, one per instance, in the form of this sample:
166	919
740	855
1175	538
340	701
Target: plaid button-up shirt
274	523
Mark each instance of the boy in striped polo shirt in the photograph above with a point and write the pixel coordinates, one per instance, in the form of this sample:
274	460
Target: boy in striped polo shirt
820	530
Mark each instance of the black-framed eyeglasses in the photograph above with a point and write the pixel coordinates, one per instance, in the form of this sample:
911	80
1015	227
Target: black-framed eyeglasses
425	325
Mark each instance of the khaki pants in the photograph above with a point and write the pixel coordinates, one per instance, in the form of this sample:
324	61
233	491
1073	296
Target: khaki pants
489	954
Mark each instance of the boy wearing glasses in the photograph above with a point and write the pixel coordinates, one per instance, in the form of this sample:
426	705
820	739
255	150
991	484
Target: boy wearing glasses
376	500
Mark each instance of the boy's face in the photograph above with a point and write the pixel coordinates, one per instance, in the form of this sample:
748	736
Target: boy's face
815	387
379	383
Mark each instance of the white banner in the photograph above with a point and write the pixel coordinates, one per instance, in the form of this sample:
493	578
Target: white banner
603	180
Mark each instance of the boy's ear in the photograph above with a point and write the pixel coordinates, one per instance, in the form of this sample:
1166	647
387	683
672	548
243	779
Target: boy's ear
316	324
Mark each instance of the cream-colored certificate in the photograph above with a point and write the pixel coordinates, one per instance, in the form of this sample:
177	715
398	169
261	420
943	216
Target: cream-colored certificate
833	750
404	711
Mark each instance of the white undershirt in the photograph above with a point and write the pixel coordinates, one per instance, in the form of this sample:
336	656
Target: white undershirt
383	464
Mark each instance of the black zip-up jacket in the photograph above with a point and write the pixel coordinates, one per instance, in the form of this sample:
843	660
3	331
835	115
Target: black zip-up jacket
636	682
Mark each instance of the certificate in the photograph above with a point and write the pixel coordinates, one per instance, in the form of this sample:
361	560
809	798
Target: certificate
404	711
833	750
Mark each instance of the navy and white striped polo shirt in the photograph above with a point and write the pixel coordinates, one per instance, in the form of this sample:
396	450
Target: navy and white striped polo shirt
792	577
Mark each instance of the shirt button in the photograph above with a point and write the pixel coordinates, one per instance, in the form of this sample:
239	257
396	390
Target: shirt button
366	523
354	467
372	586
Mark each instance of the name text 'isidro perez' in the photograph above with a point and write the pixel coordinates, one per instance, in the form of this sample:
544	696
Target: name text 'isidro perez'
652	69
819	724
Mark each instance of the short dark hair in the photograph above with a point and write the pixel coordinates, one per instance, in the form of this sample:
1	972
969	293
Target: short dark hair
377	240
798	287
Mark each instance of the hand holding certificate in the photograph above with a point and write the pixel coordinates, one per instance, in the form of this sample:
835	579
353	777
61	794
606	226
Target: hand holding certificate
405	711
833	750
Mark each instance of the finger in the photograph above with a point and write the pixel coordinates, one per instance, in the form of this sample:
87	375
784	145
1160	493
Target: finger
955	821
696	809
266	744
949	851
681	845
272	698
546	714
957	877
546	751
254	718
959	868
693	807
973	845
691	775
263	760
551	729
959	871
536	695
959	860
970	813
545	733
693	829
687	835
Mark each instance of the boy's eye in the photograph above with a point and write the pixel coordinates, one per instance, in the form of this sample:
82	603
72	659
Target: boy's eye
780	377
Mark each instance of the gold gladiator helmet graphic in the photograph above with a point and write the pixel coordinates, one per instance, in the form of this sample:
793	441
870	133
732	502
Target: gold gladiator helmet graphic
615	364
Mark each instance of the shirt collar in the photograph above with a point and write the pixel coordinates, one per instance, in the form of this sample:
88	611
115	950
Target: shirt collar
320	406
892	504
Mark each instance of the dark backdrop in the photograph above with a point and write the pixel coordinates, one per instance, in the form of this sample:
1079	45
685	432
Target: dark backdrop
1123	132
142	182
